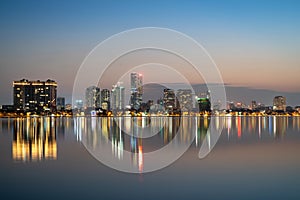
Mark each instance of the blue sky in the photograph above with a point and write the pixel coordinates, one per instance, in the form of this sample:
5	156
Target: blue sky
254	43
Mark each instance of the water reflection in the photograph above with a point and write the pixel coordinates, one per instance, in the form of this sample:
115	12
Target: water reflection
139	135
34	139
275	126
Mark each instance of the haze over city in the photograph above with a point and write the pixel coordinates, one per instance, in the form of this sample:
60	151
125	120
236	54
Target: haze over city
255	44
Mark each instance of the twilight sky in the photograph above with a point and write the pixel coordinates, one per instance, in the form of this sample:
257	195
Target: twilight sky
254	43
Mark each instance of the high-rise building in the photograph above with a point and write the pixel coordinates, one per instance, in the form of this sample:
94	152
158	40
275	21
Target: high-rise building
169	100
78	104
105	99
92	97
118	97
136	97
253	105
60	103
279	103
204	105
185	99
35	95
231	106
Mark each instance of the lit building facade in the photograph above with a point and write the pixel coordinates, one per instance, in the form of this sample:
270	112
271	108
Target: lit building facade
35	95
92	97
105	99
279	103
253	105
185	100
169	100
136	97
78	104
118	97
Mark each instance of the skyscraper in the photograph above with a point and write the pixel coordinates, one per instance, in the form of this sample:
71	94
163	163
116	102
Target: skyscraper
136	97
105	99
279	103
92	97
118	97
60	103
204	105
35	95
185	99
253	105
78	104
169	100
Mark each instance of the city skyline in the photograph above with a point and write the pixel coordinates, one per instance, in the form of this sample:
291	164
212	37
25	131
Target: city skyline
253	46
40	97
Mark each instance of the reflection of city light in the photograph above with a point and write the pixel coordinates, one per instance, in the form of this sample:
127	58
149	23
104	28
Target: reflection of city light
196	131
32	141
274	126
270	125
259	127
228	126
239	127
141	159
208	139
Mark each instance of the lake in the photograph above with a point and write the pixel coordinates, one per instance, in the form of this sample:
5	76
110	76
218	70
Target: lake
89	157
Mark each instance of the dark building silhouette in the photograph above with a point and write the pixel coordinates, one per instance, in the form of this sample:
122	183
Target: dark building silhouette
60	103
204	105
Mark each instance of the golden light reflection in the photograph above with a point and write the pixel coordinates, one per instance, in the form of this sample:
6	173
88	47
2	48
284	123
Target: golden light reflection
34	139
121	135
141	159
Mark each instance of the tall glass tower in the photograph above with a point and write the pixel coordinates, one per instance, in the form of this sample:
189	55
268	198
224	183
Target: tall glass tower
118	97
92	97
136	97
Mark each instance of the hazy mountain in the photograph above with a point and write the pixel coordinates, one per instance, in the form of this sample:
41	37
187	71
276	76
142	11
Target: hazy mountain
233	93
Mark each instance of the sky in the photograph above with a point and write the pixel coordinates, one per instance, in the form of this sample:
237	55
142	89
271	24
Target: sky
255	44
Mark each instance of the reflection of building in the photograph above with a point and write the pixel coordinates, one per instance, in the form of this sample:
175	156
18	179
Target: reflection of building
35	95
60	103
279	103
92	97
34	139
118	97
202	125
136	90
185	99
105	99
169	100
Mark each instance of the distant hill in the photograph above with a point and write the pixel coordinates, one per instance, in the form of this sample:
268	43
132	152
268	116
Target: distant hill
233	93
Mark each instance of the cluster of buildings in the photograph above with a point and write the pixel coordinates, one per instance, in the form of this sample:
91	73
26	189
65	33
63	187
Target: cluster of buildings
107	102
40	98
279	107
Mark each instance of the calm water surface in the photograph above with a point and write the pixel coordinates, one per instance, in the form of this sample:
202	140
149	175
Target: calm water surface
46	158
